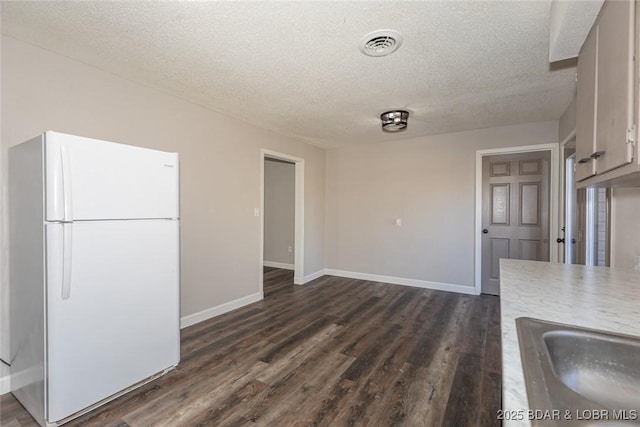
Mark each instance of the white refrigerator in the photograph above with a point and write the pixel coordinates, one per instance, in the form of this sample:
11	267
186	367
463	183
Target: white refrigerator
94	271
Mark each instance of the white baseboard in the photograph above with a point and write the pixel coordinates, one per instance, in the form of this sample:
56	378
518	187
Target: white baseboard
276	264
203	315
5	384
19	379
313	276
425	284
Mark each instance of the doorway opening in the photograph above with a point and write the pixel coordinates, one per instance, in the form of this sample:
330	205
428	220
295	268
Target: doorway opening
279	213
569	241
295	259
597	227
525	166
585	218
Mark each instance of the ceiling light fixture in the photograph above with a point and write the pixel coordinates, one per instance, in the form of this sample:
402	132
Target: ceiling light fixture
394	120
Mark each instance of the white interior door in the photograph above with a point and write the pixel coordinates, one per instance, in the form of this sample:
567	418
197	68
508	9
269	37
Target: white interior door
120	322
515	212
88	179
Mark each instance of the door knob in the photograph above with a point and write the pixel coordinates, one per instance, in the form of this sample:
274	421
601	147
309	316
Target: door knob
485	231
560	240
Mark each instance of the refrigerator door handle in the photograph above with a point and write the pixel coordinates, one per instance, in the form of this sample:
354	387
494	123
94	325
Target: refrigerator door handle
67	195
67	238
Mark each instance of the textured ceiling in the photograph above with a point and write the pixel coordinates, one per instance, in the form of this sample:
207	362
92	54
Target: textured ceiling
570	21
295	67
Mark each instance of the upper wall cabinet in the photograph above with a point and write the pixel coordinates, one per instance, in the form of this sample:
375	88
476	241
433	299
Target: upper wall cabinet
586	106
614	114
606	126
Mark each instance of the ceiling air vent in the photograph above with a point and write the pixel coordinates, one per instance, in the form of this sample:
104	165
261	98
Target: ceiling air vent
380	43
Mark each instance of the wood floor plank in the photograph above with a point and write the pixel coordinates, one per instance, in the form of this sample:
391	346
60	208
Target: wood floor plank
315	347
207	400
373	385
429	391
490	399
359	310
475	331
428	342
492	348
419	394
462	408
226	409
335	352
367	360
362	329
305	385
296	338
329	408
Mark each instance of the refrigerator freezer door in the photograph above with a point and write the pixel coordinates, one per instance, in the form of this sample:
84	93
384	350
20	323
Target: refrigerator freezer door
120	323
88	179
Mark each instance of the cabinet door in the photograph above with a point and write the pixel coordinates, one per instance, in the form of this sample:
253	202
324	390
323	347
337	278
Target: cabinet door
586	106
614	84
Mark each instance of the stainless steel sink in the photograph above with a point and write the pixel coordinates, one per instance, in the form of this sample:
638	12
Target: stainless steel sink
578	376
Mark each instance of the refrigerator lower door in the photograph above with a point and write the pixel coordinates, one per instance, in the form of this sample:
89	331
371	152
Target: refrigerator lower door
112	311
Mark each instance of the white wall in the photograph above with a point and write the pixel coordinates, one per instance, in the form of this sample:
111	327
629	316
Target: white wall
625	227
567	122
4	248
428	183
220	163
279	211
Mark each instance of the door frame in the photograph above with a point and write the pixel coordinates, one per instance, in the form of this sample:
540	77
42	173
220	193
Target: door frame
562	196
554	151
298	253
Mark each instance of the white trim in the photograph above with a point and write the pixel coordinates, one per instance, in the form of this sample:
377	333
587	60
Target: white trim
5	384
5	379
298	253
562	186
425	284
612	236
276	264
17	380
313	276
554	187
567	139
569	232
299	225
203	315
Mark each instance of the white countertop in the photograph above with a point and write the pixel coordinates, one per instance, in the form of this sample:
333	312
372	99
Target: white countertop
592	297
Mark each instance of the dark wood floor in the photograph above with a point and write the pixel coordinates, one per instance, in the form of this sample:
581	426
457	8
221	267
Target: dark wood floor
336	352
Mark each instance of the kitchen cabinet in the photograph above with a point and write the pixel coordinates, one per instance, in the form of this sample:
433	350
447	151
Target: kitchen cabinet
586	107
606	126
615	85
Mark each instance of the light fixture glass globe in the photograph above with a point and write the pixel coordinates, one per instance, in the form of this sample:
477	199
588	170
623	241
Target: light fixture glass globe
394	120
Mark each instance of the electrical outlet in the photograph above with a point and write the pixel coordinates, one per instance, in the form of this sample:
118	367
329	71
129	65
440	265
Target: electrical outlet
637	266
256	212
289	249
